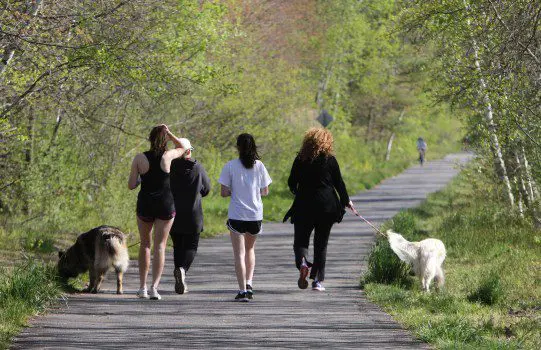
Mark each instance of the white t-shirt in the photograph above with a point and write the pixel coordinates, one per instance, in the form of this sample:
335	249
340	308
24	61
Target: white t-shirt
245	185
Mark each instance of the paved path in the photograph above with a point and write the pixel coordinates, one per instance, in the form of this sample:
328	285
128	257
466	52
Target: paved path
280	316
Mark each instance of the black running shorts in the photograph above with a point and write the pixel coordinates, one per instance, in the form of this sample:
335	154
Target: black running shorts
240	226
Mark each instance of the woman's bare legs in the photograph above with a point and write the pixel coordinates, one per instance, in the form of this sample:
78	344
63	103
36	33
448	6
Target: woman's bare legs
249	248
145	234
237	240
244	252
161	233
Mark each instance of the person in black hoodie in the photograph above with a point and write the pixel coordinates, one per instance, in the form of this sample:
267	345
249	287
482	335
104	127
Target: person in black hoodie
315	179
189	183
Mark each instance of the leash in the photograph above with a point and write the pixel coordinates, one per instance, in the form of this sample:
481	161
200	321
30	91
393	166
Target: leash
136	243
368	222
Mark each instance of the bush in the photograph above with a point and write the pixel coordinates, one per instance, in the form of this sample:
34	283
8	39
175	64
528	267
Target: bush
24	291
385	267
404	223
490	290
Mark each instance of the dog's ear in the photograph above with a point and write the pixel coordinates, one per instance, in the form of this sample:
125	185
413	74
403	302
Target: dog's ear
61	254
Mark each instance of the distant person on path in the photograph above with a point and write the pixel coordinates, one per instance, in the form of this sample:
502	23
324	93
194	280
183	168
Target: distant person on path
421	147
314	180
189	183
245	179
155	205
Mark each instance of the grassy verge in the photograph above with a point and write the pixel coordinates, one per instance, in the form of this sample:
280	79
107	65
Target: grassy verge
25	290
492	296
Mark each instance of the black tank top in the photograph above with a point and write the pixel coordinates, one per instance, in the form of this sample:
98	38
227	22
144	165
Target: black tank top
155	180
155	198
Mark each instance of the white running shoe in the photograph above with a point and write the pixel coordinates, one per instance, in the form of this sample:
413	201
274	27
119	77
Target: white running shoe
180	281
142	293
154	295
316	285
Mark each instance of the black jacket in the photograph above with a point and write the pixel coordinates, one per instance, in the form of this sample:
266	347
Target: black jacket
189	183
315	185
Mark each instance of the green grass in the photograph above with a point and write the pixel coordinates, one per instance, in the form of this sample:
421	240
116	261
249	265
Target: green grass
492	296
40	235
25	290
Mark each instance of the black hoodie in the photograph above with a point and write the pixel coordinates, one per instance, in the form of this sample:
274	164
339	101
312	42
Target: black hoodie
189	183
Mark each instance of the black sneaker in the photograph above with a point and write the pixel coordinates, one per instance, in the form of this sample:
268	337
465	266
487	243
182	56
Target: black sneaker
249	292
242	296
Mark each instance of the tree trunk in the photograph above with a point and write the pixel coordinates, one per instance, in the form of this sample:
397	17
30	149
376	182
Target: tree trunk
523	192
9	50
519	202
29	152
389	146
371	118
531	188
489	119
390	143
322	87
59	114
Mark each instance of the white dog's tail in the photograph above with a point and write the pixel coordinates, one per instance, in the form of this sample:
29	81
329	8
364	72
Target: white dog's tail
406	251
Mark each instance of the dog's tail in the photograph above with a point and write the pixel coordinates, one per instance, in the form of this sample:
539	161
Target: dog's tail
406	251
113	244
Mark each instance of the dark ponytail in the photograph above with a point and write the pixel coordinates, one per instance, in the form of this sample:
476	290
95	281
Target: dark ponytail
158	140
247	150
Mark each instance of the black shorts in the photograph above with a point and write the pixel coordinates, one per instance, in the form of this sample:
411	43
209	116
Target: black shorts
150	208
240	226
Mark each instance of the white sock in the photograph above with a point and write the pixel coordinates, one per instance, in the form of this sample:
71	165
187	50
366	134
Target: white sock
249	282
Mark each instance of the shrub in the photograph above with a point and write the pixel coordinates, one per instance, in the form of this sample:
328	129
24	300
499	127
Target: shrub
490	290
385	267
404	223
24	291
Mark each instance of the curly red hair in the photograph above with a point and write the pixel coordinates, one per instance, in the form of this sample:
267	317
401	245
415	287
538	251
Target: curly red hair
317	142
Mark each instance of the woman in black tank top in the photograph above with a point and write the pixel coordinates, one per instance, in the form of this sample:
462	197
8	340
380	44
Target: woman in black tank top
155	200
155	205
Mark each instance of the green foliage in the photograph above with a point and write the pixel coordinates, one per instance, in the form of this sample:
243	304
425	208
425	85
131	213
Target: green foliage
497	83
210	72
404	223
385	267
383	264
25	290
492	293
490	290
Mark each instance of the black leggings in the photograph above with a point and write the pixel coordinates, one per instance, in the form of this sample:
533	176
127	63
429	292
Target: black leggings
184	248
321	224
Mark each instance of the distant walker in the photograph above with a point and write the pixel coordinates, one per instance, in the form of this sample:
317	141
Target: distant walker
421	147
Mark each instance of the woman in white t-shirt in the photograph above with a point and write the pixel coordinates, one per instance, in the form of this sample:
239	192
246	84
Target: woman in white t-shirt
245	179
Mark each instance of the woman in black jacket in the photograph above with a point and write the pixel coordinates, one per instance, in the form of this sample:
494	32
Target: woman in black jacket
189	183
314	180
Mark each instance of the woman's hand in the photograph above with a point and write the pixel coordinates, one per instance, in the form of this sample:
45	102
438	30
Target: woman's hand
351	207
167	130
225	191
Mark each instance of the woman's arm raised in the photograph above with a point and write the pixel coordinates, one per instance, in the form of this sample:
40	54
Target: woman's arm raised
171	154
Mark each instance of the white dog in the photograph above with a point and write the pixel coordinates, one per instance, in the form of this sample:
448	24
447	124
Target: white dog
425	256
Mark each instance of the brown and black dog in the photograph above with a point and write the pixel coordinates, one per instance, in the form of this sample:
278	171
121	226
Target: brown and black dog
96	251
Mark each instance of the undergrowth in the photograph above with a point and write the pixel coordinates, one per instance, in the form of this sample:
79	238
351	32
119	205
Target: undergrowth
492	296
26	289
